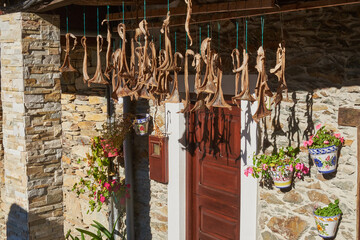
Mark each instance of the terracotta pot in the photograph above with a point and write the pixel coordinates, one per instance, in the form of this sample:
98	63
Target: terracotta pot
325	159
141	124
282	179
327	226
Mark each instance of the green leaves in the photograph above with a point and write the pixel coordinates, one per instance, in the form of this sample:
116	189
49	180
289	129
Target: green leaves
331	210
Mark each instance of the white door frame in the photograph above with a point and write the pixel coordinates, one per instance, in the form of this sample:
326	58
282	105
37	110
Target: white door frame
175	122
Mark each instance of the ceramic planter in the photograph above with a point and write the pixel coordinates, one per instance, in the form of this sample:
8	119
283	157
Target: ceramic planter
325	159
282	179
141	124
327	226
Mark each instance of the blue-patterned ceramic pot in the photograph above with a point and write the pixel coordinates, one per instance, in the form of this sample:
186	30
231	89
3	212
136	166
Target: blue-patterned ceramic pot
327	226
282	179
325	159
141	124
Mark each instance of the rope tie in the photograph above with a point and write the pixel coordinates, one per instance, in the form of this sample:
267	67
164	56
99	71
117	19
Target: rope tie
175	41
246	35
237	35
168	6
144	9
97	20
84	17
123	12
200	39
262	30
67	19
218	25
208	28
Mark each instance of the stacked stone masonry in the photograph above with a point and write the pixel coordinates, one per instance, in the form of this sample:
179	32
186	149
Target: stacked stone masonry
30	91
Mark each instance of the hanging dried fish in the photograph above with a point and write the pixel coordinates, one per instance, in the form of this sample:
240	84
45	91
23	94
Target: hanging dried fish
175	96
188	17
279	71
218	99
262	76
85	60
244	70
168	61
262	88
66	67
207	85
186	102
108	66
262	110
98	76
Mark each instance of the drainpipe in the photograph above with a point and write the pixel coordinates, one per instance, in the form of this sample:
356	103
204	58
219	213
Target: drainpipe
129	176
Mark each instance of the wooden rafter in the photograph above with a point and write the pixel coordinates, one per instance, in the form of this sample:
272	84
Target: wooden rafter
222	16
198	9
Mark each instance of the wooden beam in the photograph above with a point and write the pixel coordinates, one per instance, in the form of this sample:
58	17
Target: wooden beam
223	16
198	9
53	5
350	117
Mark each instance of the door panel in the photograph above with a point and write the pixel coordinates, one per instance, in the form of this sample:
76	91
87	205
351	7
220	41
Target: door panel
214	168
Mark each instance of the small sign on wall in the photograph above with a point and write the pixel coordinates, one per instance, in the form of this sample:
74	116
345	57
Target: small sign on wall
158	159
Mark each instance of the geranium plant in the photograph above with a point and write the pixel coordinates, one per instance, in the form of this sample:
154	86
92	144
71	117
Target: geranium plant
98	184
113	134
323	138
284	161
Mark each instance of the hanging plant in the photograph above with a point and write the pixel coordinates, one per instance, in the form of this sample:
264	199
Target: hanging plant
323	148
327	219
97	185
280	167
113	134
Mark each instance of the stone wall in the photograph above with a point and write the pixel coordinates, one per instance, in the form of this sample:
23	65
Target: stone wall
322	72
30	93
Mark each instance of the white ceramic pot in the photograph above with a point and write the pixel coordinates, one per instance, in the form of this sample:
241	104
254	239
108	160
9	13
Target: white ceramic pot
325	159
282	179
327	226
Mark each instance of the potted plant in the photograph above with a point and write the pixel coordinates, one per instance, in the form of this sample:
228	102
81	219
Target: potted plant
323	148
327	219
99	184
141	124
281	167
113	134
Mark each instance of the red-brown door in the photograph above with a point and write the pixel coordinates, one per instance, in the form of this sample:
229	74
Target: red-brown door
213	174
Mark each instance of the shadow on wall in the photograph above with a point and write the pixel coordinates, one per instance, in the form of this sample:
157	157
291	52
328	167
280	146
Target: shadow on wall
17	226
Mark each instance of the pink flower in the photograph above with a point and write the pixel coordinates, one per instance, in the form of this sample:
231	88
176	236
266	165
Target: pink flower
298	175
291	168
248	171
318	127
326	142
107	186
102	198
310	142
299	166
264	167
337	135
305	170
342	140
311	137
306	143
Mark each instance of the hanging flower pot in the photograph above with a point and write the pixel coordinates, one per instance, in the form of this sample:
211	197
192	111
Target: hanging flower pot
141	124
282	176
327	219
280	167
323	148
109	151
325	158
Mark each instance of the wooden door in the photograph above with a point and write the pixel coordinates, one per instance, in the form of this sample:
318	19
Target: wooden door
213	181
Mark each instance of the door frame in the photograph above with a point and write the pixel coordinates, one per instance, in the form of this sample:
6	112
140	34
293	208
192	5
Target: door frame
178	216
